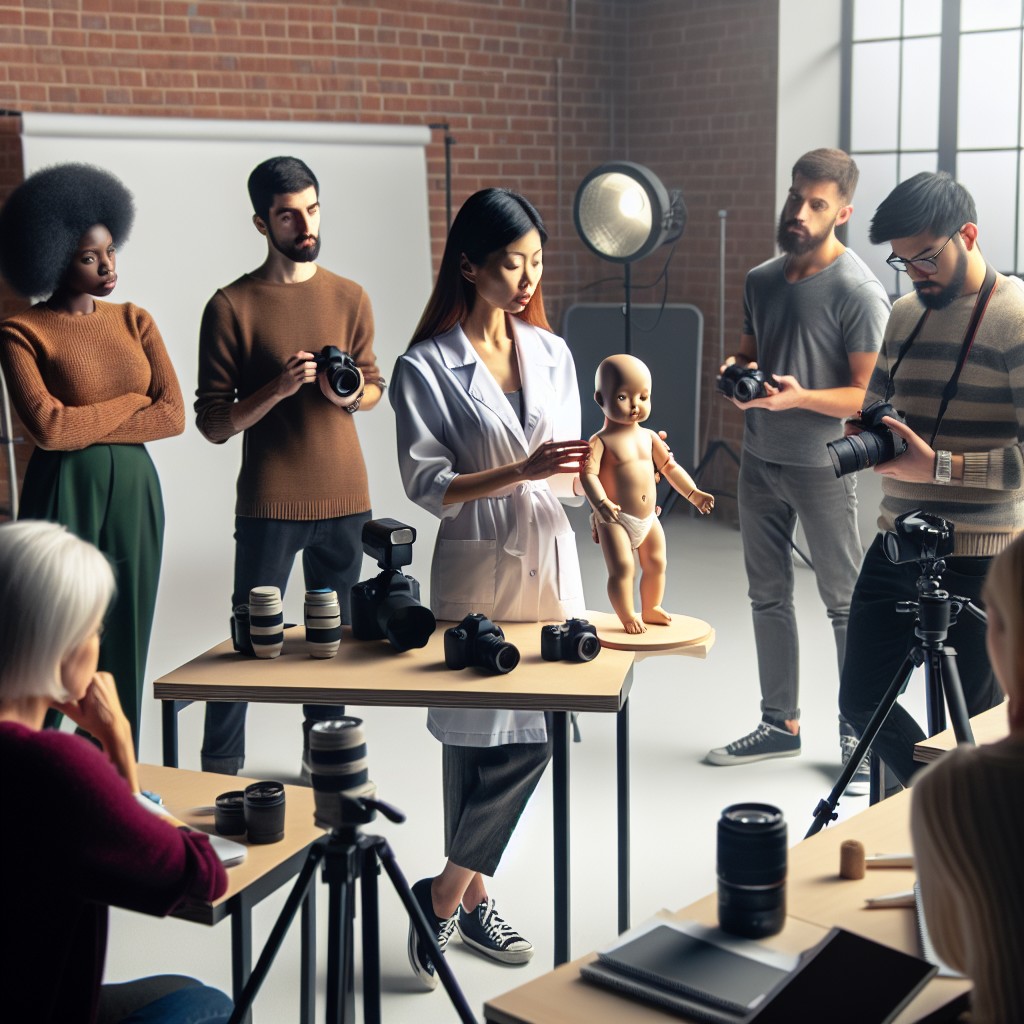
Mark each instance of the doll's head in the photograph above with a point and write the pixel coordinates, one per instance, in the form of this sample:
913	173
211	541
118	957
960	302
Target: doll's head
623	386
1004	603
46	216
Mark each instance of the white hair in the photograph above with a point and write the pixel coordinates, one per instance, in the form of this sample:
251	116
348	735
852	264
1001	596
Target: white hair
54	590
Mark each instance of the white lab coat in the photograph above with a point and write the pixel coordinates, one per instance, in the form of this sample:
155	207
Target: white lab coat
512	556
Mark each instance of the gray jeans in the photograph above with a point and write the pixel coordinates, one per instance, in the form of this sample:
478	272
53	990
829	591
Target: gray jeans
771	497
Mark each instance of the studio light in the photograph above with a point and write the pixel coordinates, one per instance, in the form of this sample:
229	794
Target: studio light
623	213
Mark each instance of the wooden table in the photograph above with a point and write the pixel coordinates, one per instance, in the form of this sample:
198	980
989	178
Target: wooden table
988	727
373	674
266	868
817	899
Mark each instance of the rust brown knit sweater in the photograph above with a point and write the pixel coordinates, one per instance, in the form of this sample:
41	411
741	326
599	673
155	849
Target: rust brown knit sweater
102	378
302	461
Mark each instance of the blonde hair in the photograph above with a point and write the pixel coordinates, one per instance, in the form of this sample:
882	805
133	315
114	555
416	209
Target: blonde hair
1003	594
54	590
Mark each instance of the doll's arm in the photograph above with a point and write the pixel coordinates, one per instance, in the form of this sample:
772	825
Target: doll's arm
592	486
667	466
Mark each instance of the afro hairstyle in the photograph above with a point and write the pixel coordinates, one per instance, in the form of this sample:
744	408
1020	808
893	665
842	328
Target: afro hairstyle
46	215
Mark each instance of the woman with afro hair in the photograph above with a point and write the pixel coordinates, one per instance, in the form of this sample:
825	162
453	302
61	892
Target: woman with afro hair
92	382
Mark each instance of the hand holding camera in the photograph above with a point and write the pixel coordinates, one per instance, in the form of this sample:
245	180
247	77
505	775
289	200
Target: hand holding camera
744	382
341	380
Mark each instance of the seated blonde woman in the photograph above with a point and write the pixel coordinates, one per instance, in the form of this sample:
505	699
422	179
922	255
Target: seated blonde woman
969	831
76	839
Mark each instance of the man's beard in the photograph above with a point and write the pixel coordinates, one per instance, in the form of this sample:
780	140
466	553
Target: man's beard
946	293
798	245
295	252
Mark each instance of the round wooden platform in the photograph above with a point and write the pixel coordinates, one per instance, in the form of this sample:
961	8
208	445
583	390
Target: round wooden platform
682	631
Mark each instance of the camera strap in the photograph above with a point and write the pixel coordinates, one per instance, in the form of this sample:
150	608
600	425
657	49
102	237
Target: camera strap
950	390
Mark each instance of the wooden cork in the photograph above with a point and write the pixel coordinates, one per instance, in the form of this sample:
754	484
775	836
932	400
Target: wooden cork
851	859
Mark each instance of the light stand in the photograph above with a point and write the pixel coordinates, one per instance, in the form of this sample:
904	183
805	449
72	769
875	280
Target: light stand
347	855
936	611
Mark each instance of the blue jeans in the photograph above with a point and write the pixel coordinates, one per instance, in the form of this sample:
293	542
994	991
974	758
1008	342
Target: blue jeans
163	999
771	497
265	550
879	638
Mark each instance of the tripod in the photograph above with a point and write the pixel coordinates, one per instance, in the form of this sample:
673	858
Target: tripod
936	611
348	855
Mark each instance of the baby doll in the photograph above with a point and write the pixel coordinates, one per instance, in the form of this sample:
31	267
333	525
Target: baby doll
619	481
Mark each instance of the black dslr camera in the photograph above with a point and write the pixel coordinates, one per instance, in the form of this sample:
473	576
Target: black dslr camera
344	377
875	444
388	606
918	537
743	383
574	640
478	642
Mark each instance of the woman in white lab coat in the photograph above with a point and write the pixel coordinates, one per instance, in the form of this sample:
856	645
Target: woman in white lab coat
488	418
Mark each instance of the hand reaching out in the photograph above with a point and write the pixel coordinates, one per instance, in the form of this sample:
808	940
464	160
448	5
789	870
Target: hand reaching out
555	457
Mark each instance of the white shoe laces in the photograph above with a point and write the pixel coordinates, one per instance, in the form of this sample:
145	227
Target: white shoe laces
498	930
760	733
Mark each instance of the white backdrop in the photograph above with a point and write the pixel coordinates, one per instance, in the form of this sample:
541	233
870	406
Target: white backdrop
193	233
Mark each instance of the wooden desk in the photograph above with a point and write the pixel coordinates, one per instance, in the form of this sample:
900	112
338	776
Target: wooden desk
988	727
817	899
373	674
265	868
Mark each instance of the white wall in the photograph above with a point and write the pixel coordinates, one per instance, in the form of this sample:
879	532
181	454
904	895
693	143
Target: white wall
193	233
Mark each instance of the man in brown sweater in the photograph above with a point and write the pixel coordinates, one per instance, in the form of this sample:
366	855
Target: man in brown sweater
302	485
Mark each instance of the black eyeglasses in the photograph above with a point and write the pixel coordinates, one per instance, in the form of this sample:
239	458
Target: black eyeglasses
922	264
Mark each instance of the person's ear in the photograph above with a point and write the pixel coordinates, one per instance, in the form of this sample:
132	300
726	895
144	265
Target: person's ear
261	225
599	399
969	233
467	269
844	215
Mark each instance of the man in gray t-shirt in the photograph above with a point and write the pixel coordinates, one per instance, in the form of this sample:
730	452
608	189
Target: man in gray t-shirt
813	321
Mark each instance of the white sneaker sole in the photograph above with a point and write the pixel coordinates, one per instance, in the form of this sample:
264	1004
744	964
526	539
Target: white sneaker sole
722	759
508	956
429	980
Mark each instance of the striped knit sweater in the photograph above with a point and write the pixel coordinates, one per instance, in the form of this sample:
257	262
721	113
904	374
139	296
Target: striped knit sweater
984	422
102	378
969	850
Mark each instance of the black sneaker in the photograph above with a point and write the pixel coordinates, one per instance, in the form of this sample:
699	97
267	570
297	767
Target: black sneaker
860	781
765	742
486	932
419	957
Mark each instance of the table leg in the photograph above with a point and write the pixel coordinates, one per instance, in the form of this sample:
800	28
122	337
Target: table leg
560	782
241	948
307	958
169	713
622	792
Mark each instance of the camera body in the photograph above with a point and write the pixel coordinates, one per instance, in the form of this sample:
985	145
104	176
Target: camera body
743	383
918	537
388	606
478	642
340	370
873	446
573	640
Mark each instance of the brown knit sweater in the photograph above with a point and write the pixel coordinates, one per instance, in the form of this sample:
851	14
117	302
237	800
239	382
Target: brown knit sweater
302	460
102	378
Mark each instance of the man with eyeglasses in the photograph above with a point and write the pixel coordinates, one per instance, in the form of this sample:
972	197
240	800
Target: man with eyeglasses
952	364
813	321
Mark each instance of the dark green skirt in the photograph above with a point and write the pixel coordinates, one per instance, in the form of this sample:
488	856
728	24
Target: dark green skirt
109	494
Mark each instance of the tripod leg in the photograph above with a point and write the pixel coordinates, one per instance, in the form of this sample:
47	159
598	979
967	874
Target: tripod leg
825	811
341	1005
426	934
307	993
954	691
371	936
936	709
295	898
560	799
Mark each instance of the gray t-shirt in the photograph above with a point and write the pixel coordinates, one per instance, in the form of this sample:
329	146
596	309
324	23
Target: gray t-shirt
807	329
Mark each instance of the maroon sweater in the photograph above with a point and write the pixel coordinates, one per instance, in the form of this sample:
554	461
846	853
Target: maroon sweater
76	841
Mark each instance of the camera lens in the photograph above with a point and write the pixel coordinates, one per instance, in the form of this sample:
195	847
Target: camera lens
338	767
344	380
264	811
588	647
751	870
266	621
229	813
323	623
496	655
746	389
405	622
859	451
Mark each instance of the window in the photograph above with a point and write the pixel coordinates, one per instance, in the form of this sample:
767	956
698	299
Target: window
936	85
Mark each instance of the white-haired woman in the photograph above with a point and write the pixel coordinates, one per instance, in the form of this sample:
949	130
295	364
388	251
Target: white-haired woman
76	838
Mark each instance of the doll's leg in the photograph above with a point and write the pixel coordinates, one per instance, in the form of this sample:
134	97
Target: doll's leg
653	565
618	558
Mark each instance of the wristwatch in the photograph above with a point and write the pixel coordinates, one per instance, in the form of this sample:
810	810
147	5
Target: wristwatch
943	467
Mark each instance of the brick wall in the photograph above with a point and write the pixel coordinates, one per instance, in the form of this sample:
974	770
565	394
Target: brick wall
536	93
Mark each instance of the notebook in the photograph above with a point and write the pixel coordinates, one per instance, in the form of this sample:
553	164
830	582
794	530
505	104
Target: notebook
228	851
